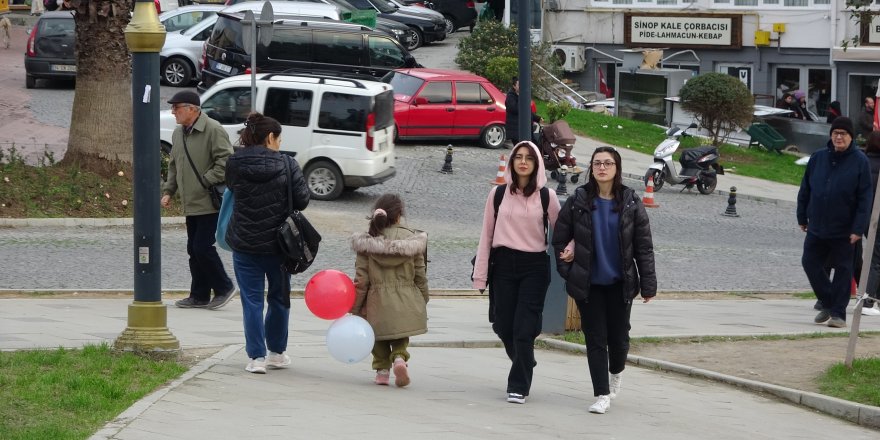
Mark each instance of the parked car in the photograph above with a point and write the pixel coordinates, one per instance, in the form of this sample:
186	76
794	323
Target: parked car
341	129
397	30
49	53
416	10
187	30
336	48
425	29
457	13
437	104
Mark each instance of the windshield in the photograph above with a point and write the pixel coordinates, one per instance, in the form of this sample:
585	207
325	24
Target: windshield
405	86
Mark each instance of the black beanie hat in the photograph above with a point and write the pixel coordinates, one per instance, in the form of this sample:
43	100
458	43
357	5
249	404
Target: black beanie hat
843	123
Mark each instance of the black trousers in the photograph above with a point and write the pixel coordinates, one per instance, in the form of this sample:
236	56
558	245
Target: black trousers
837	253
520	280
605	322
205	265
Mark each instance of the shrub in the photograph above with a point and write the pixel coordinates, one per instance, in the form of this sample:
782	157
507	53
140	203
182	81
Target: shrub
501	71
489	39
720	102
557	110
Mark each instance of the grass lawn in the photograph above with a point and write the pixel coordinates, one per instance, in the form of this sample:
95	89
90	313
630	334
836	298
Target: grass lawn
644	137
69	394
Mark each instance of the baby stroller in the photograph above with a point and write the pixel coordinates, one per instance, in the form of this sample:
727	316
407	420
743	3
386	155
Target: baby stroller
556	142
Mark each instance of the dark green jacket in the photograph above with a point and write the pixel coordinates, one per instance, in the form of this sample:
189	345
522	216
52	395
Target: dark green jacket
209	147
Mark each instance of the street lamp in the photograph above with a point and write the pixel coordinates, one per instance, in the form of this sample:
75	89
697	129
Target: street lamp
147	330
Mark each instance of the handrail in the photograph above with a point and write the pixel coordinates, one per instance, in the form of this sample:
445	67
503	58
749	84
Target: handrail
585	100
619	60
681	52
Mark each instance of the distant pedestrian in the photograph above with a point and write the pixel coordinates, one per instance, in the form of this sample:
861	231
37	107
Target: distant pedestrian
610	263
37	7
514	242
833	112
198	143
833	208
392	286
258	177
866	118
511	122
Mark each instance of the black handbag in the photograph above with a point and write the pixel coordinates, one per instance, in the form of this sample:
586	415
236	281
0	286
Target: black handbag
215	192
297	237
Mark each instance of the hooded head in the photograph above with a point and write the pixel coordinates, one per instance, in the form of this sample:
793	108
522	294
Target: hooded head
538	177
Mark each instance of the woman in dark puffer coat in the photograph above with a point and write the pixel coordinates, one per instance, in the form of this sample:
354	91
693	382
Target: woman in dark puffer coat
612	263
258	176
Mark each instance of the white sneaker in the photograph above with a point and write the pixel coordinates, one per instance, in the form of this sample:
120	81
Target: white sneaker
870	311
601	405
257	366
516	398
277	360
615	384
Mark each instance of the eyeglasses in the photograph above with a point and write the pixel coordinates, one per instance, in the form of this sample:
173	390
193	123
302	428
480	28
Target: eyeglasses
179	106
606	164
839	134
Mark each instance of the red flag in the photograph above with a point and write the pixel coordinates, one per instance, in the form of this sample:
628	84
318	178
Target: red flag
605	90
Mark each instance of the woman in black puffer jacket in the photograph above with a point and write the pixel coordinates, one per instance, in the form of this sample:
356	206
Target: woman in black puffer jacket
258	177
612	262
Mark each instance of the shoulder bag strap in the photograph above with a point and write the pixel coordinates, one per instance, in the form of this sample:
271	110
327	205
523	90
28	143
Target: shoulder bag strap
289	183
193	165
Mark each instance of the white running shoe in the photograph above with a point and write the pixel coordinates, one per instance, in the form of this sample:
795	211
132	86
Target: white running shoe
870	311
257	366
601	405
615	384
277	360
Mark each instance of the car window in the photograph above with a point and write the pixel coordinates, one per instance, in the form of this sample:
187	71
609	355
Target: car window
437	92
341	111
291	45
337	48
361	4
289	106
471	93
186	20
229	106
204	34
227	35
57	27
385	53
405	86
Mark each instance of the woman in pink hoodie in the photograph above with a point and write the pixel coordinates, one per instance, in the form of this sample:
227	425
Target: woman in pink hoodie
516	238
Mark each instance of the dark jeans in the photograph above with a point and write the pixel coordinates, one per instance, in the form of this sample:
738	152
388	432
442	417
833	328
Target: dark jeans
605	322
205	265
520	280
838	254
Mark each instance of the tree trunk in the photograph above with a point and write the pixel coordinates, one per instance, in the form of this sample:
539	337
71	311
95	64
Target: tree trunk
100	126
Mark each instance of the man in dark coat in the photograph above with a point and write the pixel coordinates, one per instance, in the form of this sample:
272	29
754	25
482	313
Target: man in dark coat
833	208
511	122
866	118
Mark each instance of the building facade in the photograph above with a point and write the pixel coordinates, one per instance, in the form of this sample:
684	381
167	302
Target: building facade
773	46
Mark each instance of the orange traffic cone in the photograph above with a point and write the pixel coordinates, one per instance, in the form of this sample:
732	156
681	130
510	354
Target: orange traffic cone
502	167
648	199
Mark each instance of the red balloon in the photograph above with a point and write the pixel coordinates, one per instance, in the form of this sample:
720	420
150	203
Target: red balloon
330	294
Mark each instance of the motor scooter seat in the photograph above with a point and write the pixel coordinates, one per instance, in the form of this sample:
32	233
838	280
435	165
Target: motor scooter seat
690	156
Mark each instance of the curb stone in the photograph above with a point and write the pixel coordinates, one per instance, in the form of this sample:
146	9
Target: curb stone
864	415
720	192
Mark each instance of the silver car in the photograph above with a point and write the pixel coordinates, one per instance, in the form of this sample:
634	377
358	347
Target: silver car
188	27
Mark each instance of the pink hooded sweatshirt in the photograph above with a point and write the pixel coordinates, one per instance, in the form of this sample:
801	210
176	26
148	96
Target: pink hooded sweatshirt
520	222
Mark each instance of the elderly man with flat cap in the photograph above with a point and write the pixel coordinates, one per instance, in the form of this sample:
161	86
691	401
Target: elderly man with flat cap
833	208
199	151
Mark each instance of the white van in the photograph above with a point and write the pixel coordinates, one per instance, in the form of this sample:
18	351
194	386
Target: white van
341	130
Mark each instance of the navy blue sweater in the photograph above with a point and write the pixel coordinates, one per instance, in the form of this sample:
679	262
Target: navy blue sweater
835	196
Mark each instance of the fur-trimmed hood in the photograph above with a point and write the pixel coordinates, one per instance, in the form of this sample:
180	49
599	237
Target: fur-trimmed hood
395	245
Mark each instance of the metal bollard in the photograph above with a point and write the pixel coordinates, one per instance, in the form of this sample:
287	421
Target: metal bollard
447	162
731	204
562	176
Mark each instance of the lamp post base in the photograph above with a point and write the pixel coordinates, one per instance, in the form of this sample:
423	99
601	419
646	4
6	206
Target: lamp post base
147	331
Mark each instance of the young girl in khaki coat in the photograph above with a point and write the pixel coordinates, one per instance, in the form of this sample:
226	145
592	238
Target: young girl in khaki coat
392	288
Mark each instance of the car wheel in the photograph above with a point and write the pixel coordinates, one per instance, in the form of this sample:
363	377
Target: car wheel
324	180
450	24
492	136
176	72
30	82
416	39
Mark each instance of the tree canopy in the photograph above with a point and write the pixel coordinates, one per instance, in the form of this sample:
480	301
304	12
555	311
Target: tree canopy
719	102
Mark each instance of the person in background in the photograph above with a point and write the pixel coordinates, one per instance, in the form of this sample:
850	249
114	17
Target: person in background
833	209
37	7
392	287
203	140
610	263
261	178
833	111
516	238
511	122
866	118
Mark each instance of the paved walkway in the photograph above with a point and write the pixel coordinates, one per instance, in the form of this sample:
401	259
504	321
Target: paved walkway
458	375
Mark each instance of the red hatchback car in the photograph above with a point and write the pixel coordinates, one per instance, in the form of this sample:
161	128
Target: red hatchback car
436	104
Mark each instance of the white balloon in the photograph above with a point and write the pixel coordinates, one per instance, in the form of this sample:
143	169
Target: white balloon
350	339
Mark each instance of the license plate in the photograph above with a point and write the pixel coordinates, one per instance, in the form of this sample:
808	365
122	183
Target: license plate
63	68
223	67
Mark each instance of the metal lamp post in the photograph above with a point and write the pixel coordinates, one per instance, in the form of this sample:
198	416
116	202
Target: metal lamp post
523	24
147	330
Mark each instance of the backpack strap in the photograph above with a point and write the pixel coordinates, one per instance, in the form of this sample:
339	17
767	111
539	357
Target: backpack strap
499	195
